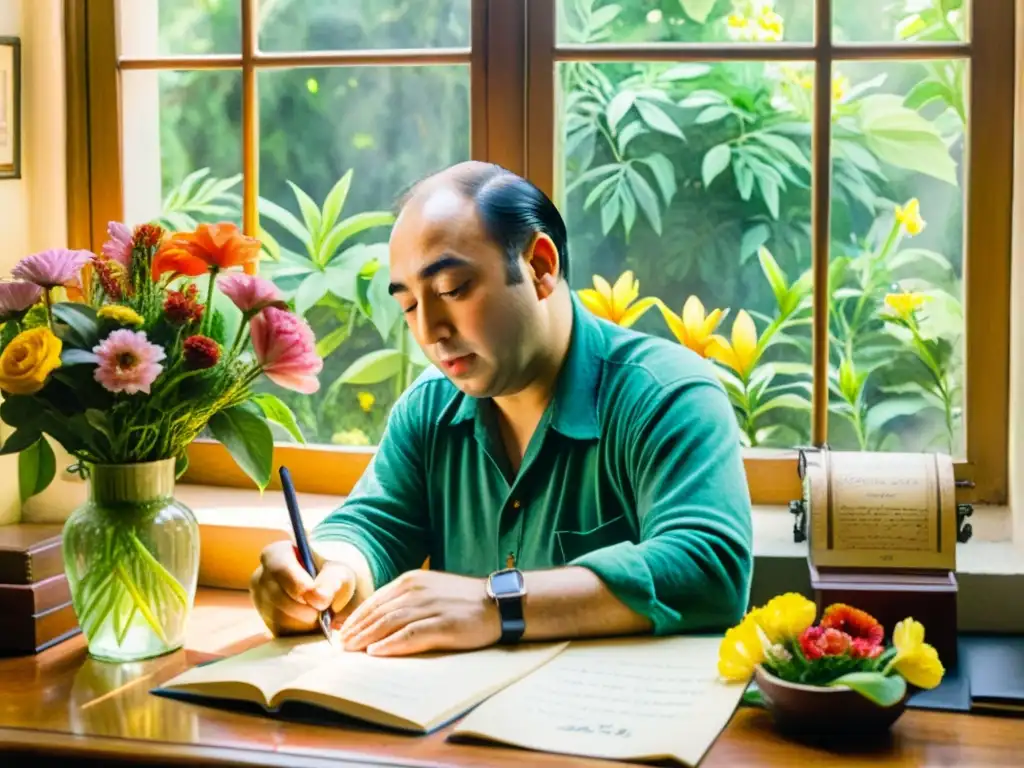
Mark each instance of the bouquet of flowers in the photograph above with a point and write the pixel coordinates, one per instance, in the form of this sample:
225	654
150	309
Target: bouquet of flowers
136	362
124	358
844	648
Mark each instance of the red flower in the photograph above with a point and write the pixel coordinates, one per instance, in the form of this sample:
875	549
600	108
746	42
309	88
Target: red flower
816	642
113	277
183	307
856	623
148	235
200	352
864	649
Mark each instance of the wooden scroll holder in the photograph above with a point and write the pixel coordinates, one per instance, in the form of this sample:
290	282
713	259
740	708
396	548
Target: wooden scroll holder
882	532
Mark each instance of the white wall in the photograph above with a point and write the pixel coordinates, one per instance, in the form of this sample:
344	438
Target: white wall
33	209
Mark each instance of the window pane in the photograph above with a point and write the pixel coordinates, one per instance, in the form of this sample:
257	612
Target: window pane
691	21
376	130
695	178
898	232
179	27
900	20
184	167
325	25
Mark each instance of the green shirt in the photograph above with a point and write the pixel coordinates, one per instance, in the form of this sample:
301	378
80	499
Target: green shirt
634	472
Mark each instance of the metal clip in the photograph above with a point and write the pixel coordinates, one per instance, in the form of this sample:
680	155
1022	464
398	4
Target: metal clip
963	530
800	525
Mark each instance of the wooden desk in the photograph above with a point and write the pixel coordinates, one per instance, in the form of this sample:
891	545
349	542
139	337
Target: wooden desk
61	704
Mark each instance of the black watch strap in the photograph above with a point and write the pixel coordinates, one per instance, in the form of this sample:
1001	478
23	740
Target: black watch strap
512	623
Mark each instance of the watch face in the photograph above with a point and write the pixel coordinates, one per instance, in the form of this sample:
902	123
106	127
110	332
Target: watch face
505	583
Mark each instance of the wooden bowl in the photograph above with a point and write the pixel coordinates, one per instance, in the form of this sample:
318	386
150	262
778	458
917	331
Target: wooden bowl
816	711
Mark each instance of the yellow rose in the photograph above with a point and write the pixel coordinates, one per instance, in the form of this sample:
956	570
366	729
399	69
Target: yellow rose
915	660
120	315
785	617
28	360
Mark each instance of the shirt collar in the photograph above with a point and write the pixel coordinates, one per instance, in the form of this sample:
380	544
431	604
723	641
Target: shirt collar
574	407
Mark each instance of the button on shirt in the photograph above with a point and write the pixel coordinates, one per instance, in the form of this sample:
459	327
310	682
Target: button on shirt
634	471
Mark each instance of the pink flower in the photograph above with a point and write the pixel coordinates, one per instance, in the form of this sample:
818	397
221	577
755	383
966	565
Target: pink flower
128	362
250	293
119	246
51	268
17	296
286	350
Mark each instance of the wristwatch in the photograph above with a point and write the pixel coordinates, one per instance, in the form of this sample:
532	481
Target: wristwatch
507	588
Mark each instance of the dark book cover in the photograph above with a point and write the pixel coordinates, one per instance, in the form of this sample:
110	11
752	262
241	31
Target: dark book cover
995	666
34	633
30	552
30	599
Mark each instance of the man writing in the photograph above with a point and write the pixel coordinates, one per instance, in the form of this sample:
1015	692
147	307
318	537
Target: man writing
566	477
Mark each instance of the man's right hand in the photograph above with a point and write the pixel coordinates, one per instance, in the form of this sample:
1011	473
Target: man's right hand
289	599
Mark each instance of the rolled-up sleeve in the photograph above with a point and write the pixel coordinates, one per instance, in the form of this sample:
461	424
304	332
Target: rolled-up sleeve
690	571
386	517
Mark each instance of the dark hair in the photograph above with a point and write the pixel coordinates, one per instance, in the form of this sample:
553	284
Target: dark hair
512	209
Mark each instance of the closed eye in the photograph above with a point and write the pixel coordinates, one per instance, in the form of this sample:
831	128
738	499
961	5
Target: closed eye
454	293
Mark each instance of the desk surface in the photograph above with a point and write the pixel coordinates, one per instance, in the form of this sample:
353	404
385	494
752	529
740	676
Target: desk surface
63	703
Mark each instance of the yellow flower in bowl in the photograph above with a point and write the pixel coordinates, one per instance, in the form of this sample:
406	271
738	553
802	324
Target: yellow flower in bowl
915	660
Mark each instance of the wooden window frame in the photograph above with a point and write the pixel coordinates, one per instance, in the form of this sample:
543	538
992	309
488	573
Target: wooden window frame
513	57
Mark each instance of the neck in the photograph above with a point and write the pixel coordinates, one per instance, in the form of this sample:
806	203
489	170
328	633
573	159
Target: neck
528	404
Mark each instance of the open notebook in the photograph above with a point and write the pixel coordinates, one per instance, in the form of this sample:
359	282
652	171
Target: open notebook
625	698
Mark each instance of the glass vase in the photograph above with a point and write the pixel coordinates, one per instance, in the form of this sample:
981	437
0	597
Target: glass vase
131	554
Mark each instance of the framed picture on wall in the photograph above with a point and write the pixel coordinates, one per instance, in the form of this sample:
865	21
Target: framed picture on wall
10	108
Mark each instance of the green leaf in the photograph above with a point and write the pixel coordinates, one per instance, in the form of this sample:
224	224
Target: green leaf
715	161
664	174
883	690
788	400
20	440
892	408
657	119
770	193
180	465
627	134
343	274
905	139
684	72
925	92
712	114
279	413
19	411
610	210
37	467
353	225
310	213
10	330
72	356
785	147
774	274
752	696
752	240
80	319
628	212
385	311
918	258
310	292
374	367
248	438
335	201
618	107
325	345
698	10
744	178
645	198
286	219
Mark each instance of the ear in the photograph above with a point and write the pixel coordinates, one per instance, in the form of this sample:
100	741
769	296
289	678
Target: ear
542	261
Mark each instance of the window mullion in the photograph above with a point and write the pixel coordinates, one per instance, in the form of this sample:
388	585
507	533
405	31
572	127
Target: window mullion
821	190
250	119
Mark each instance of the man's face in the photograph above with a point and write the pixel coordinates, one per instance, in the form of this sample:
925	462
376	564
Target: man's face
451	281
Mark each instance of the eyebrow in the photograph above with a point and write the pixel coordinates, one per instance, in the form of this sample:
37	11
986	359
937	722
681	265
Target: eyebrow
446	261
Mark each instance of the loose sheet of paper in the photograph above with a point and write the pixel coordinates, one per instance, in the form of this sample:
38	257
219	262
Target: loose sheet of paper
637	698
887	504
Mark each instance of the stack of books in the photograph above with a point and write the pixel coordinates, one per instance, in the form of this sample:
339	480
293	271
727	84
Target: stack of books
35	600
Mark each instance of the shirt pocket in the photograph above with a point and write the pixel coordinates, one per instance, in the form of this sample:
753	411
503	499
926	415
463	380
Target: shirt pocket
574	544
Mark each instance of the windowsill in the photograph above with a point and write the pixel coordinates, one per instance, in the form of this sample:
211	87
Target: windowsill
236	524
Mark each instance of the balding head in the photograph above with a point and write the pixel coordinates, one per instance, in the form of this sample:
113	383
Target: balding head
511	209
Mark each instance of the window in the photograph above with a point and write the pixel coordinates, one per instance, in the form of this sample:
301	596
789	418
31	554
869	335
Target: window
797	190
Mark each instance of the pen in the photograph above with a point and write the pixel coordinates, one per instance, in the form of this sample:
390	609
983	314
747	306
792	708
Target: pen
305	555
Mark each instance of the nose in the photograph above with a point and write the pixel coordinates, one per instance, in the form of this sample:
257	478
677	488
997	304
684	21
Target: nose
431	324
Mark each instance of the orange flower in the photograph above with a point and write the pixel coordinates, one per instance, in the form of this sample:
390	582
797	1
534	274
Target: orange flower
210	247
856	623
